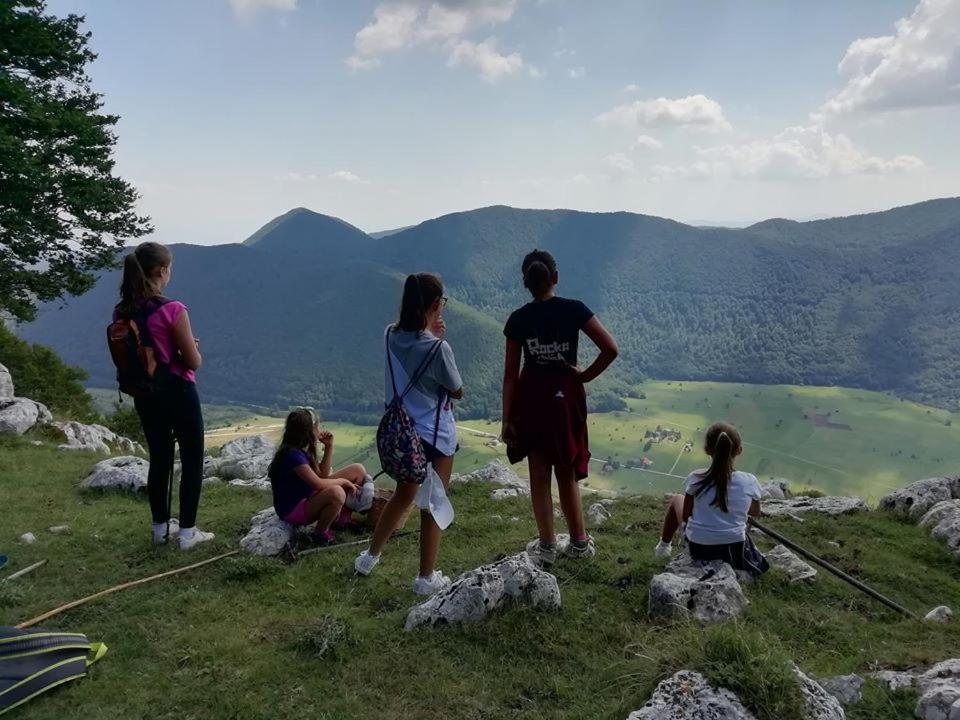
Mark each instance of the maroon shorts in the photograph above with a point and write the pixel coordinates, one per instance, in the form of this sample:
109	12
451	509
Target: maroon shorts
549	419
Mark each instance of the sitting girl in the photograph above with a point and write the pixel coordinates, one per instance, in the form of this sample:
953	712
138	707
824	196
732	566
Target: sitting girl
305	491
716	506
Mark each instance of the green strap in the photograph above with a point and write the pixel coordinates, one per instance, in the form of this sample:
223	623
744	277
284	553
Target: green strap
97	651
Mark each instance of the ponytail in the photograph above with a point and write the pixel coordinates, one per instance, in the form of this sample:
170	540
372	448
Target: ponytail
539	272
723	444
138	269
420	292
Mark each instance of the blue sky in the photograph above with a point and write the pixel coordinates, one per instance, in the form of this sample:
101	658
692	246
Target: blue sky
386	113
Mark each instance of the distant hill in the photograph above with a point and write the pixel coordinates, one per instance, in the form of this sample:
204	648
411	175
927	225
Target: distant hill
387	233
296	313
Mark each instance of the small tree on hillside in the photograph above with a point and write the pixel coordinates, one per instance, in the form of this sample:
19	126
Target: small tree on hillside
63	213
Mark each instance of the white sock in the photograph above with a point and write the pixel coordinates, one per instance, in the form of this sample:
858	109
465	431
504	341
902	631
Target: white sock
187	533
368	478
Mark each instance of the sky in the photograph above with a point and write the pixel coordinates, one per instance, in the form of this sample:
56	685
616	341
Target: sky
389	112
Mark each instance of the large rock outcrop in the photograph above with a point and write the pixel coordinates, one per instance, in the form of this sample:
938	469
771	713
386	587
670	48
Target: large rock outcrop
708	592
496	473
246	458
818	704
940	692
687	695
17	415
476	594
6	384
119	473
834	505
776	489
943	521
918	497
95	438
268	534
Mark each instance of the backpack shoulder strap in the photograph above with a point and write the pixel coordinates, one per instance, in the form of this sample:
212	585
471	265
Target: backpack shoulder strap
386	343
422	368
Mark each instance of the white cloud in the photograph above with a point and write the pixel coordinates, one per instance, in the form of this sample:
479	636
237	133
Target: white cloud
576	73
918	66
248	9
805	153
693	110
646	142
564	52
485	58
346	176
631	88
440	25
620	164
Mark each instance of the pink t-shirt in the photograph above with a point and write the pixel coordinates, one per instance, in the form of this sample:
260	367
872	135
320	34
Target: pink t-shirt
161	324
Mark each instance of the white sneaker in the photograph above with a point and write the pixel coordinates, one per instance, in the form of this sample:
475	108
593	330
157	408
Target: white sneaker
578	552
663	549
542	554
365	562
188	540
430	585
160	531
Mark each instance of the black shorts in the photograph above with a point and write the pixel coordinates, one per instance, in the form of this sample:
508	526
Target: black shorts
740	555
432	453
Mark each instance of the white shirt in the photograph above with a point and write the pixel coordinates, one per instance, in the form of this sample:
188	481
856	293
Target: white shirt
709	525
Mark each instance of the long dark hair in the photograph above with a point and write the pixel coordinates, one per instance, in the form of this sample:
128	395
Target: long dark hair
138	268
420	292
299	433
723	444
539	270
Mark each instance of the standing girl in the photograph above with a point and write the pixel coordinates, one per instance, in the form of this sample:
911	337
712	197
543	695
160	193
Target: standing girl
415	349
717	503
544	406
172	410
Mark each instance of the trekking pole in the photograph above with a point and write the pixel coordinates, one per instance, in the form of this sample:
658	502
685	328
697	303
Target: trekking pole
26	571
310	551
173	463
833	569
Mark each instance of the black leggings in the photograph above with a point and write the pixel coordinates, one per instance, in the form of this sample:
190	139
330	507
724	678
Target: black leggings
173	412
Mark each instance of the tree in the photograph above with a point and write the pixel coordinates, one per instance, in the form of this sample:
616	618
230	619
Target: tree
63	212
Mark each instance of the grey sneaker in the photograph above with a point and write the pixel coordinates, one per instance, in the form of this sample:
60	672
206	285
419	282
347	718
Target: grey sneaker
542	554
570	550
430	585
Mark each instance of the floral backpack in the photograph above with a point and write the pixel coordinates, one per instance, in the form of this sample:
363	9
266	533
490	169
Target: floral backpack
402	456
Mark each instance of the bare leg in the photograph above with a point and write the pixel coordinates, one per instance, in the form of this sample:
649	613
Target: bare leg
673	518
540	497
569	491
354	473
430	532
324	506
392	514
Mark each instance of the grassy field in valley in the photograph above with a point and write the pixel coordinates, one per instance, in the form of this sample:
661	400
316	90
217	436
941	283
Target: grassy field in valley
256	638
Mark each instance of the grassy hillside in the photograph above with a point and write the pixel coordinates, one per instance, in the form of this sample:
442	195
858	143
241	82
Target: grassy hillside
241	639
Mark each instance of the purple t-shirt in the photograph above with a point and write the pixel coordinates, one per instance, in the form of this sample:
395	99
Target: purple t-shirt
288	488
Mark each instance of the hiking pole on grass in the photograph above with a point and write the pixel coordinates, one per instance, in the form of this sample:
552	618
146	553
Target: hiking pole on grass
832	569
310	551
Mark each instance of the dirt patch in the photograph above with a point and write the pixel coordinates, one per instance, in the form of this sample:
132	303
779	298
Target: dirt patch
824	421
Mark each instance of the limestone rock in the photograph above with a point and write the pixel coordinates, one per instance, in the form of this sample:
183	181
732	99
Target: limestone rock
708	592
211	466
939	614
494	472
946	671
918	497
96	438
796	569
28	538
776	489
59	530
475	594
943	519
246	468
261	484
940	701
126	472
268	534
247	446
687	695
818	703
17	415
845	688
894	679
211	480
508	492
827	505
6	383
597	514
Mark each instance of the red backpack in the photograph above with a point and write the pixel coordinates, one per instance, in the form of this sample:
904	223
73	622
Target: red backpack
133	352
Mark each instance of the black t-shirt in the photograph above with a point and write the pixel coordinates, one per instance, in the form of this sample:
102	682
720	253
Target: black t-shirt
549	330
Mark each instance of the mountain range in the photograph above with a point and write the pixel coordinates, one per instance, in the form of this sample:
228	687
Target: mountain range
295	314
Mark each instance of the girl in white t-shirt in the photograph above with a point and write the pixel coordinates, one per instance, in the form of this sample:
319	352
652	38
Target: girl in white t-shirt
716	506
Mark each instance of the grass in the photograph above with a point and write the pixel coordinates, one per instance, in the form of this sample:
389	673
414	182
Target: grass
255	638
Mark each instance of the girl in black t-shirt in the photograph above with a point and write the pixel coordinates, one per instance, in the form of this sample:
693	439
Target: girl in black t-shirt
544	406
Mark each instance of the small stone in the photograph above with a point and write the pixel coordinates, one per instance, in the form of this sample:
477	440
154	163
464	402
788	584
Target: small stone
939	614
212	480
508	492
687	695
59	530
845	688
262	484
796	569
28	538
119	473
597	514
17	415
894	680
709	592
268	534
818	703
